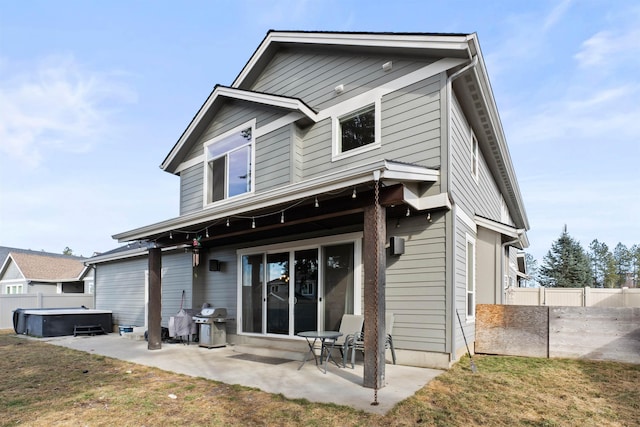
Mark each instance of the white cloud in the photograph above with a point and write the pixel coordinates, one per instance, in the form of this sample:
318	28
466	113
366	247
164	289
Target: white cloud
556	14
608	49
56	105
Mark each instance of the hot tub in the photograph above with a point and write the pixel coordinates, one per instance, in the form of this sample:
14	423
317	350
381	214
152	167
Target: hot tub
56	322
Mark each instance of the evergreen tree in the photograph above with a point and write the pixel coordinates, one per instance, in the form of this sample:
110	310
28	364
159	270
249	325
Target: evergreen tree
602	265
635	264
566	265
623	263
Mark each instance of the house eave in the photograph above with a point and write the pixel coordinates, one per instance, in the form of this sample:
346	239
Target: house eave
490	134
457	45
132	253
507	230
388	170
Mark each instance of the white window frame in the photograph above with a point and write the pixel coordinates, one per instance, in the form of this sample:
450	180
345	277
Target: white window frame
349	109
475	156
206	190
13	289
470	258
292	247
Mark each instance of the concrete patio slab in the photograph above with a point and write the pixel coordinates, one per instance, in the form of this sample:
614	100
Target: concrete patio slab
342	386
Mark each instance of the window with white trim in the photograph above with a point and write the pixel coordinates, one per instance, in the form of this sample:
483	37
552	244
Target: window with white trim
471	277
229	164
357	131
474	156
13	289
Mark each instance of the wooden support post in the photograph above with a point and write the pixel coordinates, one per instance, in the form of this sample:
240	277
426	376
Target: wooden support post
155	300
374	295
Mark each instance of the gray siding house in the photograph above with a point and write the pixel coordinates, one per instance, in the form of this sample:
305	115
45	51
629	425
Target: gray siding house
339	173
30	272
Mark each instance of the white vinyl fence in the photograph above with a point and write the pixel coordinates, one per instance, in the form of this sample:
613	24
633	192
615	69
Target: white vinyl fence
574	297
8	303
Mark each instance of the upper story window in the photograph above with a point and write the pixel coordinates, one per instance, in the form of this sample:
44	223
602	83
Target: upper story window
229	165
474	156
356	131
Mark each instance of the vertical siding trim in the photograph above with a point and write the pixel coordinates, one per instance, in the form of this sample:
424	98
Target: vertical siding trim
292	153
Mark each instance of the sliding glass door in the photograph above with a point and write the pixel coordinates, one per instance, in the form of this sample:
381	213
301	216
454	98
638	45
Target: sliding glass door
307	289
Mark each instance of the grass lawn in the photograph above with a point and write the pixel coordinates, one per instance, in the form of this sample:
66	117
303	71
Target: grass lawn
47	385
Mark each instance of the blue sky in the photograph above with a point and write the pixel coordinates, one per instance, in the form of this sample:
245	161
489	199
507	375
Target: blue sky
93	95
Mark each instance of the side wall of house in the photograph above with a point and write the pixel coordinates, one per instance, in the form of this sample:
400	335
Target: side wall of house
177	275
272	153
410	133
415	290
12	272
13	277
463	233
488	273
312	74
120	287
476	197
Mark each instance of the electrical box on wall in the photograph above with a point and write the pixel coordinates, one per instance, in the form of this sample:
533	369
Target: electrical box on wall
214	265
396	245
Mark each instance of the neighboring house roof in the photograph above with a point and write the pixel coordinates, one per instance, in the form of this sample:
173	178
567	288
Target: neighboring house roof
130	250
45	267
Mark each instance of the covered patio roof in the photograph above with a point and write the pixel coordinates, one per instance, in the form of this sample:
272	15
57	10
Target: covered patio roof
290	206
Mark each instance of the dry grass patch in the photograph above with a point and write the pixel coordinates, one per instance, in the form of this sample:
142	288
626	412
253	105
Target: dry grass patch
44	384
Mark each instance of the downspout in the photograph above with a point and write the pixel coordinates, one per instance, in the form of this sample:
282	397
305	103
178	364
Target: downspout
452	260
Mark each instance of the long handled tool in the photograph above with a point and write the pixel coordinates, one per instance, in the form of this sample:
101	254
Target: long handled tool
473	365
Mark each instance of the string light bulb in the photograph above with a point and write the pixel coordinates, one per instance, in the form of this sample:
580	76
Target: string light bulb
253	222
170	235
227	222
317	204
207	233
429	217
408	211
354	195
282	218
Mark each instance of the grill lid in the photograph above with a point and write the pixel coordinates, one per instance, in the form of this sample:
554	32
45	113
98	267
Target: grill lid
213	312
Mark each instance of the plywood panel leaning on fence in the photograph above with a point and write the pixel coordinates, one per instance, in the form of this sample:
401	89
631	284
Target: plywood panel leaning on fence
512	330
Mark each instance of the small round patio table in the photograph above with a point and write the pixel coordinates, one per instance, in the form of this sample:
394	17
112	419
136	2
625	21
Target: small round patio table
327	340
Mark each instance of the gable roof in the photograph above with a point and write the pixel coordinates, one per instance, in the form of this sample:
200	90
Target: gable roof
211	106
45	267
456	45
